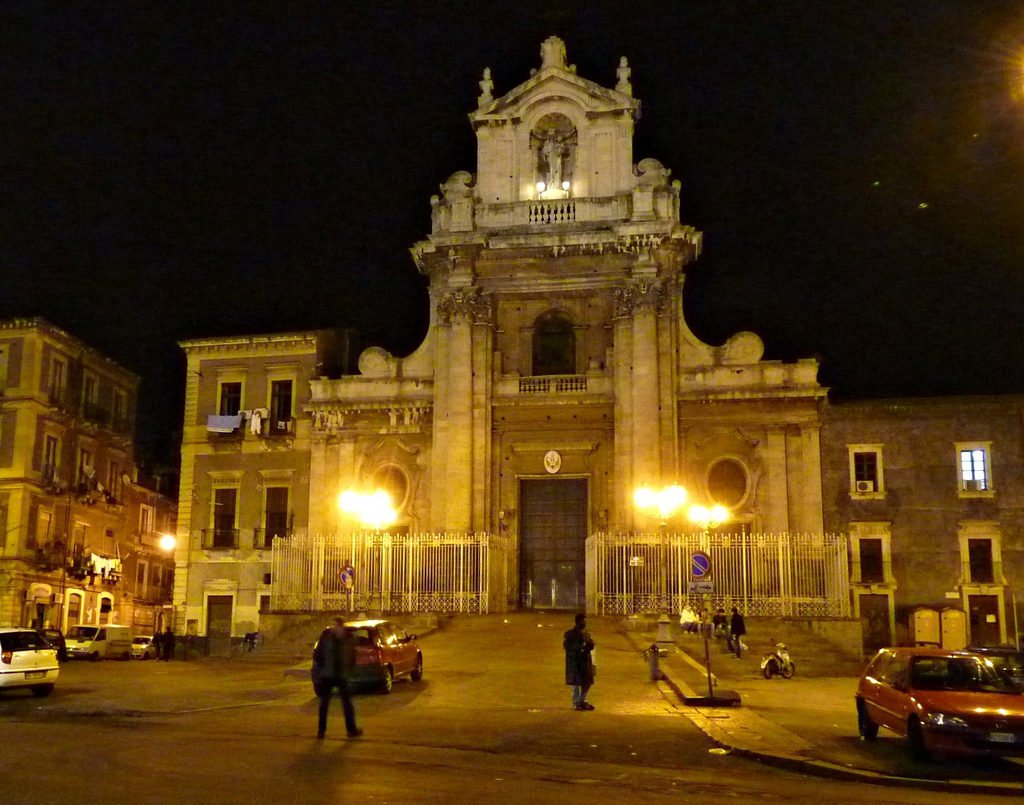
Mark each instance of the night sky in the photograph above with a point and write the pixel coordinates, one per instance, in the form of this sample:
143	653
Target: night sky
173	171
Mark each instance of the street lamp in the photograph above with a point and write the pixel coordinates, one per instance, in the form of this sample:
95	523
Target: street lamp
663	503
371	509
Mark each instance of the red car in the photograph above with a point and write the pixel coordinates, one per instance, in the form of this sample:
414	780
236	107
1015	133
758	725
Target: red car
939	700
384	653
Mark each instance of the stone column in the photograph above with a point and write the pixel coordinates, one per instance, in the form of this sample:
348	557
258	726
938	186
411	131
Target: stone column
460	308
622	480
776	518
647	300
811	517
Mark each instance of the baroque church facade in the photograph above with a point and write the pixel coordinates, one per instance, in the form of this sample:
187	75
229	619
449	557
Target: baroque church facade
557	375
557	350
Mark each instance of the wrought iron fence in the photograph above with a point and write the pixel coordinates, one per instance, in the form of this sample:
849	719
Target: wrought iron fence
392	573
762	574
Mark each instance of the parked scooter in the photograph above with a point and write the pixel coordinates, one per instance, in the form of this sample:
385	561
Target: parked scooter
778	662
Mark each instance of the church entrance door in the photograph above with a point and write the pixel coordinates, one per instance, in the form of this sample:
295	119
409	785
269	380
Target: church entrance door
552	543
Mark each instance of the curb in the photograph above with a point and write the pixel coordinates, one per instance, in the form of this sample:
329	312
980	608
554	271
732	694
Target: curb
820	768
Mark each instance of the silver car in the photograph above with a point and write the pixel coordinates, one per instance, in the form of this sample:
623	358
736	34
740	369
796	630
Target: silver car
27	661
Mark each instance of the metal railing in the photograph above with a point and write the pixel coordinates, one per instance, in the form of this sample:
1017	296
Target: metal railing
762	574
215	538
392	573
263	538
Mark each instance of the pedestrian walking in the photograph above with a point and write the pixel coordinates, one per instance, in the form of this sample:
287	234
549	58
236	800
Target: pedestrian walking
579	662
333	659
167	645
158	645
737	628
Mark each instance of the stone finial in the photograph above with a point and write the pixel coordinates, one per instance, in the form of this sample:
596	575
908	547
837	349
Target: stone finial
486	87
623	73
552	53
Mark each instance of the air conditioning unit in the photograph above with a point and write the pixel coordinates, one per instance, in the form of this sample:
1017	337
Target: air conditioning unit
865	486
973	485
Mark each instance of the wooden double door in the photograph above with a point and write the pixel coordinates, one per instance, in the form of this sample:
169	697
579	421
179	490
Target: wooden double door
552	543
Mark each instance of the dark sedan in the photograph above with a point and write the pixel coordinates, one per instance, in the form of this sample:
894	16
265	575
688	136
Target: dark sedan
1007	660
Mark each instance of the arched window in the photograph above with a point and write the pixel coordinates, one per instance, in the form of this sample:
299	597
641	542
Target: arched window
554	345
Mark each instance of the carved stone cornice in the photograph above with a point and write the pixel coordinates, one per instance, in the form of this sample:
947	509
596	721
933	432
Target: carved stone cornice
401	417
465	305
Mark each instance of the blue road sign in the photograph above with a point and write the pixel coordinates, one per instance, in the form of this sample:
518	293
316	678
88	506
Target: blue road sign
348	576
700	565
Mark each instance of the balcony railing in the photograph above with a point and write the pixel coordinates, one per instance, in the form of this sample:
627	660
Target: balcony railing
219	538
552	384
263	538
278	427
97	414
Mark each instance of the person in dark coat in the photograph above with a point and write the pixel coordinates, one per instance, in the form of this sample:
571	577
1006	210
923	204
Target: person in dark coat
333	659
737	628
579	662
167	645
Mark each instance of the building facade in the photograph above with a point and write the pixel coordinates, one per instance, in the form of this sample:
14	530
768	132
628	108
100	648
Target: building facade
931	495
69	502
558	374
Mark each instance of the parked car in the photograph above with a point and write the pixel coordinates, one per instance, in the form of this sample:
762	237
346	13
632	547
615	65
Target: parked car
27	660
1007	660
940	700
384	653
143	648
55	637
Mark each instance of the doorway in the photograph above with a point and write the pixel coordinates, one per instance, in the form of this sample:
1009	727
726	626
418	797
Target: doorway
984	614
218	625
552	543
874	622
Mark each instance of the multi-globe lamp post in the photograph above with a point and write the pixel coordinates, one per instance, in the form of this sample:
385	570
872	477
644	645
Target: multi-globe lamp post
372	509
662	503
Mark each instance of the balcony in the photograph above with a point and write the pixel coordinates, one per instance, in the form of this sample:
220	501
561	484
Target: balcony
219	538
224	427
277	428
263	538
95	414
552	384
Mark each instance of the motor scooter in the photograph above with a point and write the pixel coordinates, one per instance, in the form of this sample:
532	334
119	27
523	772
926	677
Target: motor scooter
778	662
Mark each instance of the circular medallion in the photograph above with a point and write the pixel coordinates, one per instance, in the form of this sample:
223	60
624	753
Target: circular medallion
552	461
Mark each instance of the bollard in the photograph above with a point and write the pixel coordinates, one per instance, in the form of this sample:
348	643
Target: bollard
652	657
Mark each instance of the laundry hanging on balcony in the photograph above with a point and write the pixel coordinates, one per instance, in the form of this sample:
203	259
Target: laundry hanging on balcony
223	424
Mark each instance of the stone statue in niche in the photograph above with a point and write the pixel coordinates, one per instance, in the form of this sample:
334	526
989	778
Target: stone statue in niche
552	154
553	140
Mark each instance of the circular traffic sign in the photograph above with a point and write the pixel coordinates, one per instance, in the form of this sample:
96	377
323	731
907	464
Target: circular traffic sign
700	564
348	576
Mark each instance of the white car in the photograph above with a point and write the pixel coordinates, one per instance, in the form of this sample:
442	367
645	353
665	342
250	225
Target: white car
143	648
27	661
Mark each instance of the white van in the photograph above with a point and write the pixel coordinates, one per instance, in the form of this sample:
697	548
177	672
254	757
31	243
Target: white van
99	642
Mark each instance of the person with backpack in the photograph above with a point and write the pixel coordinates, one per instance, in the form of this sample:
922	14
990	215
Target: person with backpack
333	659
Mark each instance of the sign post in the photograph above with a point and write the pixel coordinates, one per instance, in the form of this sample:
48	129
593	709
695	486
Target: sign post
700	568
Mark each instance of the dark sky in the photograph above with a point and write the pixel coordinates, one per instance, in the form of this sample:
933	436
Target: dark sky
174	171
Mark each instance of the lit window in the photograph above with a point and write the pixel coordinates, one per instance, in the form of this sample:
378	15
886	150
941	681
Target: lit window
975	468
